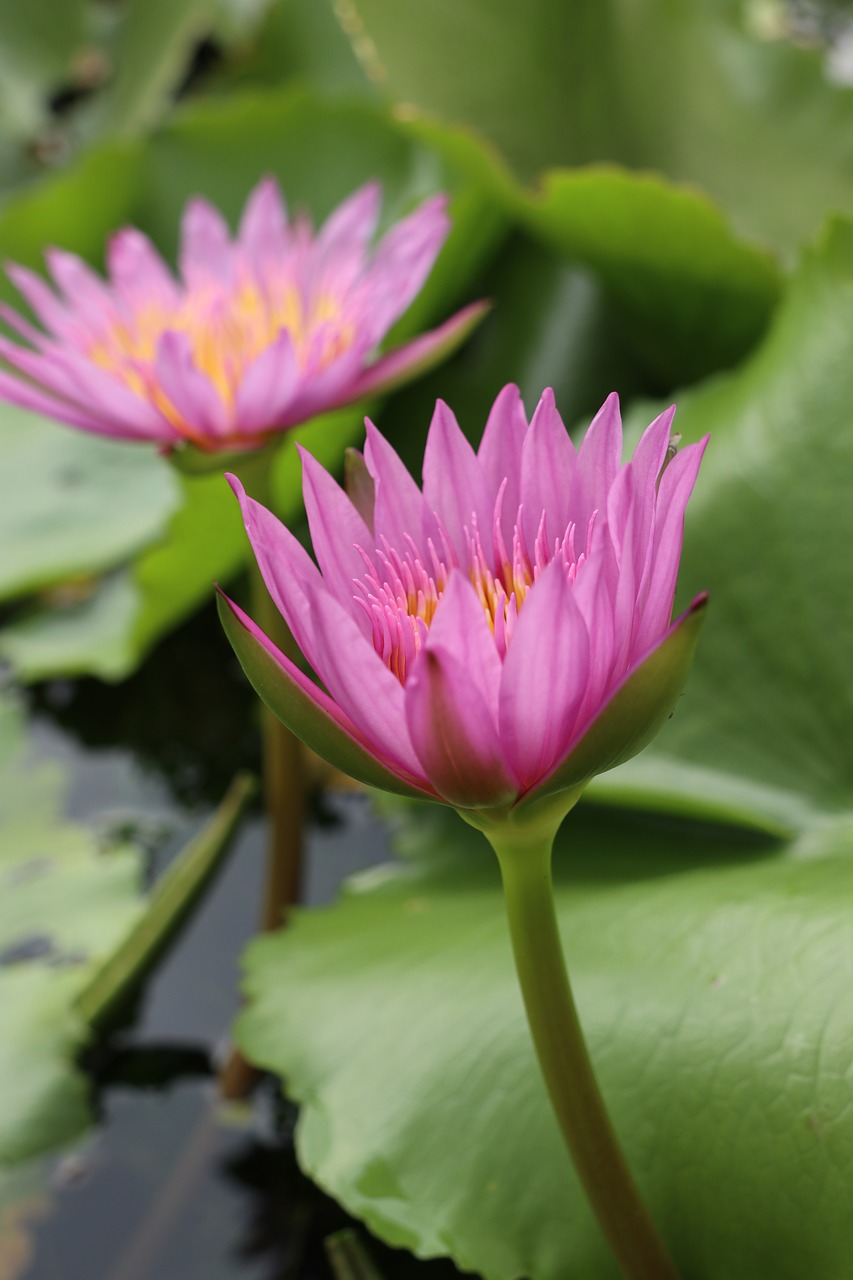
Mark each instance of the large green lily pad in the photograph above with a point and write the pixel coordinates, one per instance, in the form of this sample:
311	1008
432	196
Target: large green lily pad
712	963
712	977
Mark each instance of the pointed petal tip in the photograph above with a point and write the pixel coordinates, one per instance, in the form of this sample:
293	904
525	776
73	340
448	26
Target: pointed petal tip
510	391
120	235
437	204
199	205
474	310
666	415
236	486
371	191
307	459
268	182
371	430
53	255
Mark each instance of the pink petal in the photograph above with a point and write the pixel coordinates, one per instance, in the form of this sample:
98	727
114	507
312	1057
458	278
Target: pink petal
191	392
268	388
545	676
675	489
500	452
290	575
102	391
29	332
323	388
454	485
598	462
341	247
454	734
137	271
263	226
461	630
630	533
205	244
87	293
547	464
354	221
595	603
403	261
99	395
28	397
336	530
41	299
318	720
360	683
633	711
399	509
650	452
413	358
645	468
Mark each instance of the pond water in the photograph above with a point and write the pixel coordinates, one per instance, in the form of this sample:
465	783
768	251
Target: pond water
170	1184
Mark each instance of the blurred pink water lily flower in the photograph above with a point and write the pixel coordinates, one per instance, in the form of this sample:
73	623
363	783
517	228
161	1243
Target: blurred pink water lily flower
258	334
496	638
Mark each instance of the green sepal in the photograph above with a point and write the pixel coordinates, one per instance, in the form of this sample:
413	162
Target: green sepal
302	715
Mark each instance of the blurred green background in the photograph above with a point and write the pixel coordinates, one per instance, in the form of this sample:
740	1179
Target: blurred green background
657	196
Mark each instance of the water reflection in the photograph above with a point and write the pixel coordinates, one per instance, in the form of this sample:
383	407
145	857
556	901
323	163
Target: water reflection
169	1186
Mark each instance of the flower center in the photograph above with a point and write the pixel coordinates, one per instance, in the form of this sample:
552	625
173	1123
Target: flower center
227	328
400	591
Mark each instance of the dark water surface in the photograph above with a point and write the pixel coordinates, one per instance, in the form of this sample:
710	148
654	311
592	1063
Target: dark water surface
169	1184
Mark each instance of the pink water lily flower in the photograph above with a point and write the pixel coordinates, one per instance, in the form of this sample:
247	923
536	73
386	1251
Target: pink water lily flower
501	635
258	333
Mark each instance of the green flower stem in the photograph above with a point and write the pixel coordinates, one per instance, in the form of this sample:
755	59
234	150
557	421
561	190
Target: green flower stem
525	861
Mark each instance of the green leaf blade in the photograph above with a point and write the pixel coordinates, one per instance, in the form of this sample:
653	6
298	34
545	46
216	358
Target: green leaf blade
714	998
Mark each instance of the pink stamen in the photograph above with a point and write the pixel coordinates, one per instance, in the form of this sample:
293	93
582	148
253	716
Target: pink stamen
400	591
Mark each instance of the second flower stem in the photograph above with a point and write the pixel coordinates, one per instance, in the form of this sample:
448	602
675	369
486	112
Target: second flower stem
564	1059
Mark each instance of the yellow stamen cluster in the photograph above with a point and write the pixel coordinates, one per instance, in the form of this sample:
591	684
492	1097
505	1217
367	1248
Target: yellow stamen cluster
227	330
